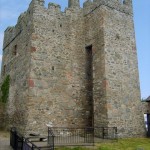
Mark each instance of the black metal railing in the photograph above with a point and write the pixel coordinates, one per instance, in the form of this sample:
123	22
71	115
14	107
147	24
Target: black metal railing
18	142
58	136
106	133
51	138
72	136
28	145
81	136
12	137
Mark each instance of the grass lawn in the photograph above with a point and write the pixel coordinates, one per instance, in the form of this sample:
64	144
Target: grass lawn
122	144
126	144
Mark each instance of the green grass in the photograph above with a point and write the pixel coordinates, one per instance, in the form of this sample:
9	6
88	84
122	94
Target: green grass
122	144
74	148
126	144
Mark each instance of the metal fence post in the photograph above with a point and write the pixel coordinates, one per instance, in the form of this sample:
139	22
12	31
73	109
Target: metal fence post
13	134
51	137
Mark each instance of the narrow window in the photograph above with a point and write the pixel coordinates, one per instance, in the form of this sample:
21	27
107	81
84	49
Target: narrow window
89	84
52	67
4	70
15	50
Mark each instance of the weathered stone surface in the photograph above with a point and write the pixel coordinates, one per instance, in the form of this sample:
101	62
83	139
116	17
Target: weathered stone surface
2	115
49	76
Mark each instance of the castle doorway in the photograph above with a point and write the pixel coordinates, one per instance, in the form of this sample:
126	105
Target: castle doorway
89	86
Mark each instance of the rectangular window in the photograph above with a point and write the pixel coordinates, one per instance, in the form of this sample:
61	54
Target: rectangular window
15	50
4	69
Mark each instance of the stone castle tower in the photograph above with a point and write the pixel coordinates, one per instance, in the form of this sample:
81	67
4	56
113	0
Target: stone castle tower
74	68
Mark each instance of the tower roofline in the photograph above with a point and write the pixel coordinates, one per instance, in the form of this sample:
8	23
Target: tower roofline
124	7
73	3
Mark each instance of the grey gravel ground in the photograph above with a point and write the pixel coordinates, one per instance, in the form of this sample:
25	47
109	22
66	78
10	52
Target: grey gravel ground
4	141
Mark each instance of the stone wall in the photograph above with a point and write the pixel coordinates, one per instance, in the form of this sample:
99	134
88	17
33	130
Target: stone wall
2	115
110	30
55	69
16	63
94	35
121	68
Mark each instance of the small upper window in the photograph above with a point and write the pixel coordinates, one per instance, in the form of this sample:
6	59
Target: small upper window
15	50
4	70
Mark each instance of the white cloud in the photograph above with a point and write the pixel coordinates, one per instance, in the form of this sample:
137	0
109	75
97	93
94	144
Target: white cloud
0	58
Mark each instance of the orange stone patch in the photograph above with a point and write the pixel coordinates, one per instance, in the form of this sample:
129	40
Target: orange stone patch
105	83
33	49
31	83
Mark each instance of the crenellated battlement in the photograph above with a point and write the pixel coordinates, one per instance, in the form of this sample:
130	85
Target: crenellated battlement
87	3
127	2
9	29
36	3
54	7
21	17
39	2
124	6
112	2
37	6
9	35
73	3
13	31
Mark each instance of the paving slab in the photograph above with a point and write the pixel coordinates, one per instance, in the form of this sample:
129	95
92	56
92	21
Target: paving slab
4	141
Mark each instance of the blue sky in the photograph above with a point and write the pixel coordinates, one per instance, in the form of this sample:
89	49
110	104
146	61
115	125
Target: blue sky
11	9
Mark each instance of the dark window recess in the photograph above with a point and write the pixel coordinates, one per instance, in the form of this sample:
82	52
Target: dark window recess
15	50
117	36
4	70
52	67
89	84
60	25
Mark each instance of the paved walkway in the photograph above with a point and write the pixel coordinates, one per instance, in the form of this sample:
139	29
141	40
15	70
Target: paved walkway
4	141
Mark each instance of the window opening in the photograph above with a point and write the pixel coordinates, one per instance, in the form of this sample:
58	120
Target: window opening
4	70
52	67
15	50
